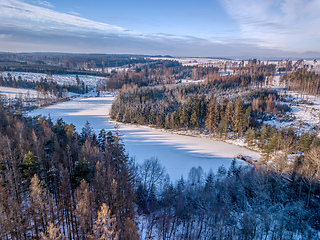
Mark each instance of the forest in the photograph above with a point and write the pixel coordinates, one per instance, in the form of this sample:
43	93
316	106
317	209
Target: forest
303	81
218	106
56	182
226	107
172	72
67	63
233	107
60	184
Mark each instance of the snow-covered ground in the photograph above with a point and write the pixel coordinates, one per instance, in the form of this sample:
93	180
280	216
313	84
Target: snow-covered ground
192	61
305	109
18	92
187	81
59	78
12	93
178	153
30	98
222	63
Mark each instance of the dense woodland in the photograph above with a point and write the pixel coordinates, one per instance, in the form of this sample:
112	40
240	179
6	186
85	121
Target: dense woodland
303	81
228	107
168	72
66	63
55	181
223	105
241	203
58	184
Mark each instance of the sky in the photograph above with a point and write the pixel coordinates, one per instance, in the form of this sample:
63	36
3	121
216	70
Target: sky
185	28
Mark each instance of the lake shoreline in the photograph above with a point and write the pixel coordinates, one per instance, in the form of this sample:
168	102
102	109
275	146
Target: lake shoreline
177	152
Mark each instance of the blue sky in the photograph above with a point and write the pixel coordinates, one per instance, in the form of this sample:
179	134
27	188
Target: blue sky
207	28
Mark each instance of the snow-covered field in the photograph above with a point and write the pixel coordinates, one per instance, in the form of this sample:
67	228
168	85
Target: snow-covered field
29	98
178	153
12	93
18	92
59	78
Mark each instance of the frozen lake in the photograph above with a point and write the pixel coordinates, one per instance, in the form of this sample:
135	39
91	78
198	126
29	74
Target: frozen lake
177	153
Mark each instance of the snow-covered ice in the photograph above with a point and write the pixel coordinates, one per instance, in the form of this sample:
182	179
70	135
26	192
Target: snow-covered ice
178	153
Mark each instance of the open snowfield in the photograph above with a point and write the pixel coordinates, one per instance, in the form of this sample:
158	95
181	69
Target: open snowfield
59	78
190	61
178	153
28	98
15	92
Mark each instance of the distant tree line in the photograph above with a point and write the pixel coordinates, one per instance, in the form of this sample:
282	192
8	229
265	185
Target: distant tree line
63	63
303	80
43	85
148	75
173	72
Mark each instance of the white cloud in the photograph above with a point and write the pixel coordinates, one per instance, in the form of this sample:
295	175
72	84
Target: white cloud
285	24
74	13
27	27
42	3
21	15
14	11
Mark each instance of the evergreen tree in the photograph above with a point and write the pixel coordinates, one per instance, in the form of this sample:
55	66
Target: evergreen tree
212	115
104	227
52	233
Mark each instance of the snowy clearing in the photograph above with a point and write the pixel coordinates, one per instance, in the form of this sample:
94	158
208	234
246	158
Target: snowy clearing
305	113
61	79
15	92
23	93
28	98
178	153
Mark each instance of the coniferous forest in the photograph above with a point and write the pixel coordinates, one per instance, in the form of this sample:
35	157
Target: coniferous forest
232	107
303	81
55	182
209	114
60	184
196	106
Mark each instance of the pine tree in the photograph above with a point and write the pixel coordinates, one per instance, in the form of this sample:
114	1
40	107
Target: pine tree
38	206
227	114
237	116
52	233
84	209
104	227
30	166
212	115
250	136
194	119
